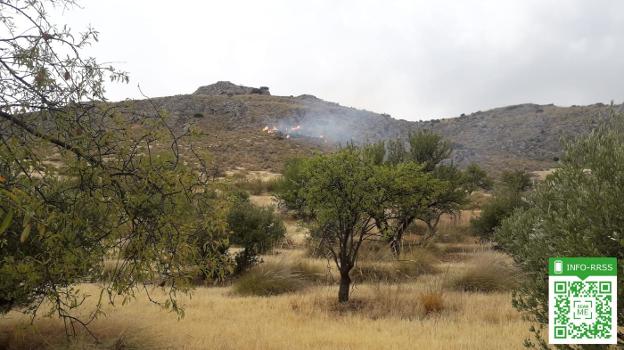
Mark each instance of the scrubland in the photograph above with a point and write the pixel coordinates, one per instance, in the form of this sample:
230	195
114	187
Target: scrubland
453	293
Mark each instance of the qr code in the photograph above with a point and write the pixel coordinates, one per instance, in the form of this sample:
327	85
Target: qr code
583	309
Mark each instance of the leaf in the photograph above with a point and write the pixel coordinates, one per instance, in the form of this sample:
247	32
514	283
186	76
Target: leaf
25	233
6	222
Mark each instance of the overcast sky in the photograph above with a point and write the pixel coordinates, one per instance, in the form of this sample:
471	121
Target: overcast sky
411	59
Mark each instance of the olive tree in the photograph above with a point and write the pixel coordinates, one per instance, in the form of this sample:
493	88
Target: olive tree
84	182
576	211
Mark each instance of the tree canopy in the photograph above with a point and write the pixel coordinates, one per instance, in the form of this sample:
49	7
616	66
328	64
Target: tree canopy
84	183
576	211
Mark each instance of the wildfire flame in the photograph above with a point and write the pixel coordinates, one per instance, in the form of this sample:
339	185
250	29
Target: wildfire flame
270	130
288	132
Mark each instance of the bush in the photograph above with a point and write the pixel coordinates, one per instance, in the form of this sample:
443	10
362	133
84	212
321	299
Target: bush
488	272
576	212
508	196
432	302
289	189
255	229
269	279
493	213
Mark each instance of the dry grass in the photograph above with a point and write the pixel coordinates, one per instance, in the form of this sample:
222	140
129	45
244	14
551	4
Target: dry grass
269	279
488	272
216	320
424	301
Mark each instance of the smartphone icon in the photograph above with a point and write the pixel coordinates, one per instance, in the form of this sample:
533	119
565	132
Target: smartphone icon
558	266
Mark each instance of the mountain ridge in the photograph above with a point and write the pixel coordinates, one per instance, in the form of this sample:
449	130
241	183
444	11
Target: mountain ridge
248	127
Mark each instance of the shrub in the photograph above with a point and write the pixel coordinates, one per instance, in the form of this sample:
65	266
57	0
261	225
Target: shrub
488	272
289	189
432	302
269	279
576	212
255	229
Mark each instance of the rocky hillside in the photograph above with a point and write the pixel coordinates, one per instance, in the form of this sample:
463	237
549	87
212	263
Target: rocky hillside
248	127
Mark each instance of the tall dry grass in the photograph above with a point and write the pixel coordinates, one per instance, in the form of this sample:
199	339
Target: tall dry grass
390	317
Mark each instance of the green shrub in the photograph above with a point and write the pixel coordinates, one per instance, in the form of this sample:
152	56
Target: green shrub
508	196
255	229
289	189
269	279
577	211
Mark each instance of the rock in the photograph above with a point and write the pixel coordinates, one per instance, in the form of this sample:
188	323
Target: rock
230	89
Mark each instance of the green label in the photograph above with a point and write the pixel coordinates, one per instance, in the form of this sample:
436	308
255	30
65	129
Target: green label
582	267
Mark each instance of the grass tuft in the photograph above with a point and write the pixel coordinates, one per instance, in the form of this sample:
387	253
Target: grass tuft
487	272
269	279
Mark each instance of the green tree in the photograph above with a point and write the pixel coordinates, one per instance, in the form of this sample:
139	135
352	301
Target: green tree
81	182
448	198
476	178
428	149
406	191
342	194
577	211
290	187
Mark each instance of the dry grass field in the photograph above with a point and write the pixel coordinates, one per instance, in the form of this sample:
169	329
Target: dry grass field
461	300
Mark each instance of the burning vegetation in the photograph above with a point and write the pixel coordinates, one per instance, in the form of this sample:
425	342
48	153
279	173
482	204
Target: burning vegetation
288	132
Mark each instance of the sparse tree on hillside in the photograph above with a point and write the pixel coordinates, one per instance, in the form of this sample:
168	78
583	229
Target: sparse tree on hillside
118	189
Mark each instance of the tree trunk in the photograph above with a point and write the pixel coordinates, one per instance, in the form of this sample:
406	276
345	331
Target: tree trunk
395	247
345	283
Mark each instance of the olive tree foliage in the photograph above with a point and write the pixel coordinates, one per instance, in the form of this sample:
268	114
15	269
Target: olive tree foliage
82	184
576	211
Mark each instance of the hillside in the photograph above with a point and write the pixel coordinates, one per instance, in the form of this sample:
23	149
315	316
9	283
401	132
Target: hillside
248	127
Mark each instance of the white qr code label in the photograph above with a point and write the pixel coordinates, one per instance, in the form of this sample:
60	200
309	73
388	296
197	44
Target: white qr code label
582	301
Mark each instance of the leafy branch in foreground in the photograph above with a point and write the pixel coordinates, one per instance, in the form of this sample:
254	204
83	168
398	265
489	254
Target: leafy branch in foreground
84	184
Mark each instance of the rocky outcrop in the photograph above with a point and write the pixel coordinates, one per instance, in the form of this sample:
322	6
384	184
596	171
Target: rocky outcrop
230	89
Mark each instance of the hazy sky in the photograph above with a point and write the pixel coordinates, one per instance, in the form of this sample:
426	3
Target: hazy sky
411	59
